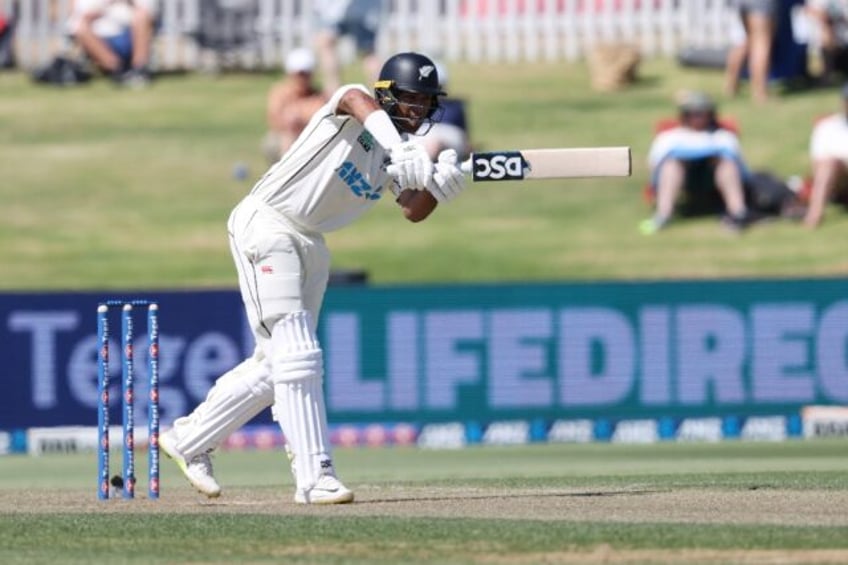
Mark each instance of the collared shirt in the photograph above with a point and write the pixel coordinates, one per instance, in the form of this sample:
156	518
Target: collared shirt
332	174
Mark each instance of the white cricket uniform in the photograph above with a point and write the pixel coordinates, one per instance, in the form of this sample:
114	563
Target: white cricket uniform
333	173
830	139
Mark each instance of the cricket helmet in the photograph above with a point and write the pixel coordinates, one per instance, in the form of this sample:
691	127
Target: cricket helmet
407	72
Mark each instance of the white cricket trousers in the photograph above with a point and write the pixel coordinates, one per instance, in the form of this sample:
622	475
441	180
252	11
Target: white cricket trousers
282	274
280	269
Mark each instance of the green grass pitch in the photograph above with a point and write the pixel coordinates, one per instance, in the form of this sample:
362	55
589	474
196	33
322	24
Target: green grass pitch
733	502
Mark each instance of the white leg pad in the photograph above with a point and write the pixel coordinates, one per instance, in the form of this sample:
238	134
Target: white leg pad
298	370
234	400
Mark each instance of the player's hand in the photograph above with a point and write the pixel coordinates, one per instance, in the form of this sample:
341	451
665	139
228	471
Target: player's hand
410	165
448	180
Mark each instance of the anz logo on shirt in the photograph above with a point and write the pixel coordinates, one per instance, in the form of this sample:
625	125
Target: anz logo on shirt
356	182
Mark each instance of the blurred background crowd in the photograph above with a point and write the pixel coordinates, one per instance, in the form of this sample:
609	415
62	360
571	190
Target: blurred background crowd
696	161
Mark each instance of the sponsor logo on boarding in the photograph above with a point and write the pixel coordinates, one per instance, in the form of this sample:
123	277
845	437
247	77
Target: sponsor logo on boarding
578	431
507	433
505	165
764	428
825	421
442	436
636	431
357	182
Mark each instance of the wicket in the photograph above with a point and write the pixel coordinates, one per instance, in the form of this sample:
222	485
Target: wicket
127	397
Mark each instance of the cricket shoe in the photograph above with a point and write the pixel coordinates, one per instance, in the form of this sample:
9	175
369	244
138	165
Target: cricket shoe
198	470
328	490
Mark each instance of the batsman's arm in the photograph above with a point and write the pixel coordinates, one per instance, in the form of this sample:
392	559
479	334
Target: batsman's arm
357	103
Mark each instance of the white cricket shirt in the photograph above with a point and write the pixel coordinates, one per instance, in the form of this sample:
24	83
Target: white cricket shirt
332	174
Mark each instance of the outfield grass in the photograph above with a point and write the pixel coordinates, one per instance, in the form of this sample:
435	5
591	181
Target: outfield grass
601	503
104	188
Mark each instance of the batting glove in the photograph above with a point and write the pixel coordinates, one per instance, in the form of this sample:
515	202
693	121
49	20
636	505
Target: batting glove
448	180
410	165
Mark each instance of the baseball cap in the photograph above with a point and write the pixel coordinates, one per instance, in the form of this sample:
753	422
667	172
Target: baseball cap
300	60
696	101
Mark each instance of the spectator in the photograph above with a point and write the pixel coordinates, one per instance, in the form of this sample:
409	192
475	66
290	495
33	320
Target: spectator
759	19
292	102
7	29
829	154
450	131
831	20
117	36
703	159
359	19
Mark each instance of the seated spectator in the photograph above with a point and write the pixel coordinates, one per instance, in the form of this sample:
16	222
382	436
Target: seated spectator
116	35
451	129
829	154
291	103
702	159
831	22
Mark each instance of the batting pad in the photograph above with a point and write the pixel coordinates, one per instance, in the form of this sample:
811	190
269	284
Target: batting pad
234	400
299	407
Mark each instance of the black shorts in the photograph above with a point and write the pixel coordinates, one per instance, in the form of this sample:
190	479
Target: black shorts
700	193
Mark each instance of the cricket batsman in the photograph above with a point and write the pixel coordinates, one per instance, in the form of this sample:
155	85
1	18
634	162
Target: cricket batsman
355	149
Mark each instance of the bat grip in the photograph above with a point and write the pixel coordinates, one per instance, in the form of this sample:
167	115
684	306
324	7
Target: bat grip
465	166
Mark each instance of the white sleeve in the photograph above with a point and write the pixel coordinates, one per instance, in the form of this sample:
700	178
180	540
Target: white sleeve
333	103
820	140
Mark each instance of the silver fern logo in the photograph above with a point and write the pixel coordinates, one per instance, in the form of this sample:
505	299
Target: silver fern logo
424	72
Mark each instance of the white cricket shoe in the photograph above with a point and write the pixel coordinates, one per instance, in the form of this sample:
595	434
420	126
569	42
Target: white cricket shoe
198	471
328	490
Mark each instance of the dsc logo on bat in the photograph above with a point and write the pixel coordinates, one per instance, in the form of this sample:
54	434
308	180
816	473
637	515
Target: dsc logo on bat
506	165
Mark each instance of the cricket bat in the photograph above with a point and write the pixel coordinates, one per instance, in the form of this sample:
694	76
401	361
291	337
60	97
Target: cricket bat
562	163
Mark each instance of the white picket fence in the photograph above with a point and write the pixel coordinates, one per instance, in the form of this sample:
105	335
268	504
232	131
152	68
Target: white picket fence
472	30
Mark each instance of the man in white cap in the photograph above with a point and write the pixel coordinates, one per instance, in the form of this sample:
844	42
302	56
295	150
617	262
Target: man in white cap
829	154
291	103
